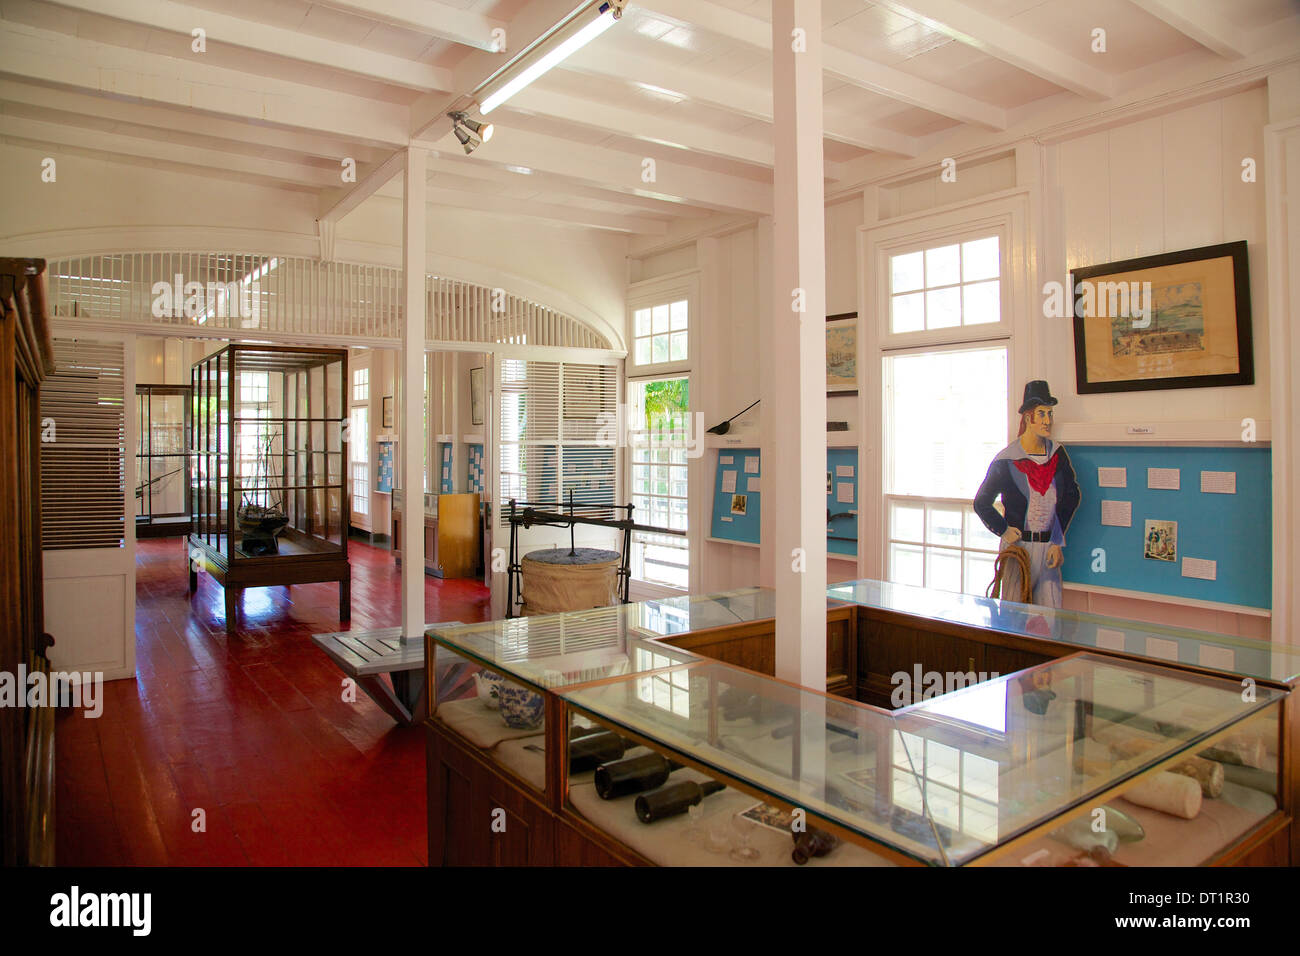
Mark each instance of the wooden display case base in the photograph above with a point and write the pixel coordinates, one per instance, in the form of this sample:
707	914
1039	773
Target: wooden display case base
274	571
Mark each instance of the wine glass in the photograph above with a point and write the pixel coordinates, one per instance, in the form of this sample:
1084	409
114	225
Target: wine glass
743	829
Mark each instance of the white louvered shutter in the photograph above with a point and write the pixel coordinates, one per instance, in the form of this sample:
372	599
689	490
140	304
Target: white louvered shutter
83	470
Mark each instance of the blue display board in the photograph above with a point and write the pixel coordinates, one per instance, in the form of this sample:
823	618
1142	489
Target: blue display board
446	483
727	522
1234	530
384	474
842	483
474	468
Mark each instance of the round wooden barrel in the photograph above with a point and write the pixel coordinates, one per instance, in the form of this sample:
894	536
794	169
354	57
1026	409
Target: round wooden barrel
556	580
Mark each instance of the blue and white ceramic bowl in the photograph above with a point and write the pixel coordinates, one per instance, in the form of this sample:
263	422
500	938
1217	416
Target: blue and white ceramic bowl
487	683
521	708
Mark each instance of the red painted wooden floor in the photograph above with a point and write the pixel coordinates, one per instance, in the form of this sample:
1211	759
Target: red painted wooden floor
250	728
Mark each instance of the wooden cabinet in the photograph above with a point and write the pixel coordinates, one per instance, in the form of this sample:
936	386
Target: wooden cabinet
26	734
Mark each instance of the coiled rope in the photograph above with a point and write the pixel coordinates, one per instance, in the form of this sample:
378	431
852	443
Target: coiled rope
1013	553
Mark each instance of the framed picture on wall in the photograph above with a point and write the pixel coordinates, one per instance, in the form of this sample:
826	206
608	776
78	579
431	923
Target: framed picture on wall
476	396
842	354
388	411
1176	320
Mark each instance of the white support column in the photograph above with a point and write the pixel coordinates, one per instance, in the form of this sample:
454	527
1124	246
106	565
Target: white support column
411	419
797	471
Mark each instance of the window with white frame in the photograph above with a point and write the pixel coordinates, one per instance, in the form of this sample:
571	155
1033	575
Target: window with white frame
658	423
361	385
359	446
660	333
946	286
945	411
551	435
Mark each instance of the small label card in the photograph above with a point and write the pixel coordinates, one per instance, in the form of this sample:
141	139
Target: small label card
1117	514
1202	568
843	471
844	492
1112	477
725	459
1110	639
751	464
1165	650
1164	478
753	484
1219	482
729	482
1220	658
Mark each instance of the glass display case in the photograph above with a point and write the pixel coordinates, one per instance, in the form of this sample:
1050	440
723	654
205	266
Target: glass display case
659	755
162	504
1203	650
268	458
1083	761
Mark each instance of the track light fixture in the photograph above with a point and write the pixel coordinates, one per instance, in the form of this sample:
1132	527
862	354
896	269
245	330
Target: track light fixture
471	133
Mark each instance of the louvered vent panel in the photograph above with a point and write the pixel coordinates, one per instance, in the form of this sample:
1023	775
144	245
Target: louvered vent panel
83	470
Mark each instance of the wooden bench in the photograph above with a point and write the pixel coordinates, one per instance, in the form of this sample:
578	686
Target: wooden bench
367	655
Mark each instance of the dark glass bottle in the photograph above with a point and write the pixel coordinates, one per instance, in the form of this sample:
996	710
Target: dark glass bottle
812	842
633	775
575	731
588	753
673	799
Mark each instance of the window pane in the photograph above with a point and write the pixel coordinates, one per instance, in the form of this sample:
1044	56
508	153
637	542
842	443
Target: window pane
642	351
642	321
907	312
906	521
660	353
979	571
943	569
678	310
905	565
947	413
979	259
943	308
942	266
981	303
678	351
978	536
660	318
906	273
945	526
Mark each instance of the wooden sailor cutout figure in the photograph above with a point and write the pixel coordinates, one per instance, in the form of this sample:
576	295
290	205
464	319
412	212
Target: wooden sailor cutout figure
1036	482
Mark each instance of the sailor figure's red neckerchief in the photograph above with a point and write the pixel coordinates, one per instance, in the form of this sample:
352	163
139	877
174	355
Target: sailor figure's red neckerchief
1040	476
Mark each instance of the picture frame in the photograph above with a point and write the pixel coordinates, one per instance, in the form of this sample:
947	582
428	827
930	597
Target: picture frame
1174	320
842	354
387	412
740	504
476	396
1160	540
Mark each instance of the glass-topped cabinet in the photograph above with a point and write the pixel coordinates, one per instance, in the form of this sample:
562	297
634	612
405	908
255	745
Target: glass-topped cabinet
633	750
162	503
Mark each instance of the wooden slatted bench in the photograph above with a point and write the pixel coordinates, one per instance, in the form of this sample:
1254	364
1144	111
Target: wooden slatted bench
366	656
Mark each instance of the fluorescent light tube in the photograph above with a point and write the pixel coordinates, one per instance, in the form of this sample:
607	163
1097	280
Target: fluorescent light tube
548	61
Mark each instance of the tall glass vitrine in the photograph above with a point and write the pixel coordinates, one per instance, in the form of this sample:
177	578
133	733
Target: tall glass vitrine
162	483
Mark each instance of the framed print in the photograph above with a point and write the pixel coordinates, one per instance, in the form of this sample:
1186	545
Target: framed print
476	396
842	354
1160	540
739	504
388	412
1176	320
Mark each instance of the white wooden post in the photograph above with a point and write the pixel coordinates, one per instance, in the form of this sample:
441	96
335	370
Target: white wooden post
412	414
798	337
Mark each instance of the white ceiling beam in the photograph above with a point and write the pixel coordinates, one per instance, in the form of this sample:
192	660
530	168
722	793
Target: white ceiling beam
550	212
727	93
549	184
841	64
47	56
537	18
1002	40
663	129
1203	22
185	123
621	171
221	28
432	19
335	203
84	138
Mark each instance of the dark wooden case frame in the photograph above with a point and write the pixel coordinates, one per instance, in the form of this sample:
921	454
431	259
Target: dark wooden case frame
1245	374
